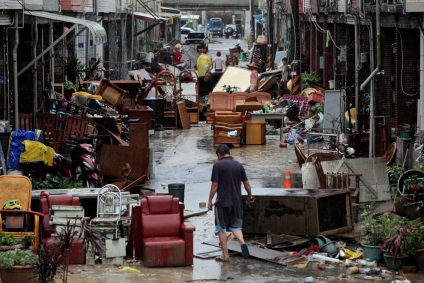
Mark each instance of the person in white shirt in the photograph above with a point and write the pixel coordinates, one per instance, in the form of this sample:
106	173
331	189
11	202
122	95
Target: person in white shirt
218	62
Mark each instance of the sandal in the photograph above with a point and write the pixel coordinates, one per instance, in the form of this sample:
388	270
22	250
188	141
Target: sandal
219	258
245	251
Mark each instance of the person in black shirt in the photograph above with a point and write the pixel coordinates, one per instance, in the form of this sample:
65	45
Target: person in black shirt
206	84
227	177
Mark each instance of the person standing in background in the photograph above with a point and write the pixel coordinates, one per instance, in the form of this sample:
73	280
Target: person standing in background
95	71
254	75
219	62
203	62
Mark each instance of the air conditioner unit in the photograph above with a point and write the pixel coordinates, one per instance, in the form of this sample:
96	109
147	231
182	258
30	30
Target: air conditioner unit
106	6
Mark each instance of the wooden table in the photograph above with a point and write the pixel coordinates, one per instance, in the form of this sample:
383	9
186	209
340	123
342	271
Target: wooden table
270	116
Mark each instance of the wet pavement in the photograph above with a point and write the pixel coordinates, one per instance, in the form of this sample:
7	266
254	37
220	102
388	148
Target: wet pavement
187	157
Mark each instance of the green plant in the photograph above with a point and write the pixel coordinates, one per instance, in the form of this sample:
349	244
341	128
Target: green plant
416	238
47	265
374	229
309	79
394	171
8	259
398	241
70	85
53	182
8	240
73	68
146	43
406	127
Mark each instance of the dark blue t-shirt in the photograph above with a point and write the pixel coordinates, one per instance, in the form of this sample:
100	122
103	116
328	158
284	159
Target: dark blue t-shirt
229	174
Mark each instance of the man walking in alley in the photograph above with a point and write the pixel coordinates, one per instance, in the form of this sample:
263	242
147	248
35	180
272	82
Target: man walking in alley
227	176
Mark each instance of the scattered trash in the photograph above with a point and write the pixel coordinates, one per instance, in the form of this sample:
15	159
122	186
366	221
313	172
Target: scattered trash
326	258
127	268
309	279
363	262
352	270
321	265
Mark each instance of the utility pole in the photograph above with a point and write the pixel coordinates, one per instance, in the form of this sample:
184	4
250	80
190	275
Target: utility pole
252	21
294	4
270	27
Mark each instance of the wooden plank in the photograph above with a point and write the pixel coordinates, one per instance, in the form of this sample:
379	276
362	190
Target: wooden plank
114	157
182	113
139	135
255	251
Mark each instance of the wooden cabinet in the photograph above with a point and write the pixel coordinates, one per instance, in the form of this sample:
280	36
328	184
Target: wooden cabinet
255	132
298	212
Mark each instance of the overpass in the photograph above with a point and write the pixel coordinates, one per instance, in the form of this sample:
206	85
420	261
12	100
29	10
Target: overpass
202	5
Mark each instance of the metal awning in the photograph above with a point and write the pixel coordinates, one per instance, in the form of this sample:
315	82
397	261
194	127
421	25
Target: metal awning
96	29
145	17
168	16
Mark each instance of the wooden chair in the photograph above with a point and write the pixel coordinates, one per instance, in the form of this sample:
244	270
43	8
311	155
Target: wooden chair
25	122
323	156
337	181
226	124
301	158
166	87
75	126
48	123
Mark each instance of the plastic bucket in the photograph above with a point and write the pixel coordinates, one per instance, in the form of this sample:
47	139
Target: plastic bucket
373	253
330	248
177	190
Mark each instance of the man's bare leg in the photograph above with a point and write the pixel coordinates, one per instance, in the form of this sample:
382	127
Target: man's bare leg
239	235
224	246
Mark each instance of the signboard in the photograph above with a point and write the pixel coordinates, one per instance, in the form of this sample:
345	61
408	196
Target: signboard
414	6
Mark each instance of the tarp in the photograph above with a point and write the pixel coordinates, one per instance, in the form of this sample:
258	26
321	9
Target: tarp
259	18
36	151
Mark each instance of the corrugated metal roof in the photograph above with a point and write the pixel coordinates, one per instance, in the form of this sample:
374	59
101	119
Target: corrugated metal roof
96	29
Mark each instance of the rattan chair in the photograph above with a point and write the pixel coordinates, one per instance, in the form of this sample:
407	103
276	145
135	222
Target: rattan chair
390	153
301	158
323	156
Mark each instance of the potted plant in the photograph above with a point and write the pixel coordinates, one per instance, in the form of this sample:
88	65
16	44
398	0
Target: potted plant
394	172
18	266
411	199
8	241
73	68
405	133
396	247
374	231
416	242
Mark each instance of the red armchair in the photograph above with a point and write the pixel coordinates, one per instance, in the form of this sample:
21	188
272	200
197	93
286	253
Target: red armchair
46	202
165	239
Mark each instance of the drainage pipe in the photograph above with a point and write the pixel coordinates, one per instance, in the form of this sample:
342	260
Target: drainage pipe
421	82
357	63
34	70
15	73
371	77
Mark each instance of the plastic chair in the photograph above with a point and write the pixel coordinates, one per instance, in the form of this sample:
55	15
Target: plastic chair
19	222
48	123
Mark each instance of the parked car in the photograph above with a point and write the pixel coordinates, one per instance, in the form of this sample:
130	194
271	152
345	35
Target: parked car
232	30
198	40
183	33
